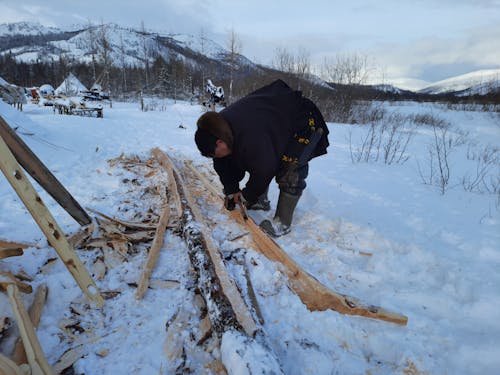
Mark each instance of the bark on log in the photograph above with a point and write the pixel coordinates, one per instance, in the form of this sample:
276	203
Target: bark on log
226	307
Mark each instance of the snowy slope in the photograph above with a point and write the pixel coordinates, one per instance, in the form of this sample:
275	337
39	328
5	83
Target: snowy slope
480	81
368	230
128	46
26	28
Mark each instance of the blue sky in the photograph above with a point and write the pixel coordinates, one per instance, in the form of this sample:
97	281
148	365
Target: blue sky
422	39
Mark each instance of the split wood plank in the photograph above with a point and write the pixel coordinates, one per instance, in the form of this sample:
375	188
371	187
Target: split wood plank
228	286
35	313
154	252
10	252
34	166
14	245
47	223
172	187
130	224
34	353
313	294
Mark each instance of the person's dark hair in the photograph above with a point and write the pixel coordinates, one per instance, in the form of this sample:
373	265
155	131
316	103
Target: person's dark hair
215	124
206	142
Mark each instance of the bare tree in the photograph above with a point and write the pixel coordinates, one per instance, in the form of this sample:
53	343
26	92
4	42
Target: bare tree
92	47
123	64
284	60
104	53
346	69
235	47
303	62
145	53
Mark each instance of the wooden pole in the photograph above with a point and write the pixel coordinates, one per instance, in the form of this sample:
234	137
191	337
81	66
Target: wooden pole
34	352
47	223
36	169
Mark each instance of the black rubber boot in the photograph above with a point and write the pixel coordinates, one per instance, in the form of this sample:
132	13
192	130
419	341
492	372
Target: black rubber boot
282	221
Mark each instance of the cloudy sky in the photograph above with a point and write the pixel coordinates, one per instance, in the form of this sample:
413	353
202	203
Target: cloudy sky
422	39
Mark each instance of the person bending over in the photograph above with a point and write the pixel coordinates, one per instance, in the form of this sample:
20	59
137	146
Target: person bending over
271	133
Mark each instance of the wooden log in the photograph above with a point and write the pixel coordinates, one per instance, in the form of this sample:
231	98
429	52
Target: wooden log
225	304
154	252
35	313
34	166
34	352
47	223
313	294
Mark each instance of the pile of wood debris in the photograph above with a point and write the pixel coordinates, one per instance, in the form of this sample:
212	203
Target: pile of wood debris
219	304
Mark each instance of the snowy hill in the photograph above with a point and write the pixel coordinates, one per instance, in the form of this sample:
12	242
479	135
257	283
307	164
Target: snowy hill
478	82
28	43
26	28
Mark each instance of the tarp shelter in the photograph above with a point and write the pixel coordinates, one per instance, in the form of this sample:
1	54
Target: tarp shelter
71	86
46	90
11	94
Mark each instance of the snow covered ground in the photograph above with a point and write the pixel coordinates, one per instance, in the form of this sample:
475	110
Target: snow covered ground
369	230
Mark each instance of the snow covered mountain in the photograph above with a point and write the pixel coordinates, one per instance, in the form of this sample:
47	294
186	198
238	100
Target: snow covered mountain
30	42
479	82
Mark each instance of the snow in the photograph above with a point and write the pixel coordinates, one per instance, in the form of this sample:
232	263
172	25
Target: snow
369	230
485	77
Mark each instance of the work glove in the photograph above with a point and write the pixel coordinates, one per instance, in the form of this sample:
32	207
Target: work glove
231	200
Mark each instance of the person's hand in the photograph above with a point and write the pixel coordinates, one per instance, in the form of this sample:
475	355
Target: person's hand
231	200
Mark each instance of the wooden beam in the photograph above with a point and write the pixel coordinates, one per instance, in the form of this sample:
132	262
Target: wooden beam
36	169
154	252
313	294
34	352
35	313
47	223
227	285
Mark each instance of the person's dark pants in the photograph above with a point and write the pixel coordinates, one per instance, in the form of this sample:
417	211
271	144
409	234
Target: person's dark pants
292	178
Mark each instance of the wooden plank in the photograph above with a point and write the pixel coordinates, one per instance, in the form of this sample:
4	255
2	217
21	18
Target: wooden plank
228	286
36	169
34	352
7	252
167	164
47	223
35	313
313	294
154	252
16	245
